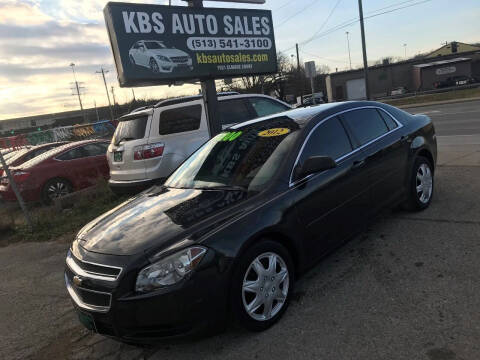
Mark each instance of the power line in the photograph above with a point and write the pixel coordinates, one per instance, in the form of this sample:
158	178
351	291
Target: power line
297	13
374	13
328	18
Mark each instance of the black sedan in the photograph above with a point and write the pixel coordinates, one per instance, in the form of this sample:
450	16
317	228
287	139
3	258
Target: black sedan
234	226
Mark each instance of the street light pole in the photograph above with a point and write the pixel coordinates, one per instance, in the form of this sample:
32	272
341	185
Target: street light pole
103	72
349	56
364	50
72	65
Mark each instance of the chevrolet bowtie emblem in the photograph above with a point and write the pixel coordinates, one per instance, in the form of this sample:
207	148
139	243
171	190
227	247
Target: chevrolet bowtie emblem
77	280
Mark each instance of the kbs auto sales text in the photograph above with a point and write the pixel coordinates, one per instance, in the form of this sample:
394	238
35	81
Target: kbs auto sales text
199	24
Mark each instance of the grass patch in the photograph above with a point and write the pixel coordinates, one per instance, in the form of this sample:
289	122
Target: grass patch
50	223
449	95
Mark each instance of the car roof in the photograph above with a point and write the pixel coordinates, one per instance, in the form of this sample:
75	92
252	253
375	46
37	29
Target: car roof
303	115
55	151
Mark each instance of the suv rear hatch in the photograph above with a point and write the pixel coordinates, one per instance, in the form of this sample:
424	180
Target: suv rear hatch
125	153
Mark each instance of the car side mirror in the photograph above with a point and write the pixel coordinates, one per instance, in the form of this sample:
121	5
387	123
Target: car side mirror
315	164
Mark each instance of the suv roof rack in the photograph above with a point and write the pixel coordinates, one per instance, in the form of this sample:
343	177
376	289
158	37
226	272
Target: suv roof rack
184	99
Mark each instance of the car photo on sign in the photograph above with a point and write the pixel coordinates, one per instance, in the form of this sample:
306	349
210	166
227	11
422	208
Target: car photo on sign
157	57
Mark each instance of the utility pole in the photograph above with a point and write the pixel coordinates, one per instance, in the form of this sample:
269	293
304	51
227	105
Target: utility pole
72	65
405	48
299	72
349	56
209	92
16	192
103	72
364	50
113	95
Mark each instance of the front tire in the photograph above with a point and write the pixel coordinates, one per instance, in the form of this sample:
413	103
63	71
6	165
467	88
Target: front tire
154	66
421	185
262	285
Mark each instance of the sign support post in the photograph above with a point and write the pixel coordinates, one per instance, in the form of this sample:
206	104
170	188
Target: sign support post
209	93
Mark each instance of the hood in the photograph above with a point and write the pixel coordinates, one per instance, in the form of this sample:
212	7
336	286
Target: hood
168	52
156	219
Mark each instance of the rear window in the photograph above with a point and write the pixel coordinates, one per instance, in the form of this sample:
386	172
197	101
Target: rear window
366	124
265	107
388	120
179	120
233	111
130	130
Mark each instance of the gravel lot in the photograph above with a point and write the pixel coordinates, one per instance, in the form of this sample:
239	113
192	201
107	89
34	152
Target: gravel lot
405	289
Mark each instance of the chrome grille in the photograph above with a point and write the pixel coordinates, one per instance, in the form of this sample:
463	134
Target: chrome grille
179	59
92	270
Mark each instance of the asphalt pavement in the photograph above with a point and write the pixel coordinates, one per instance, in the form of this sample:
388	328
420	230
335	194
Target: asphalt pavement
407	288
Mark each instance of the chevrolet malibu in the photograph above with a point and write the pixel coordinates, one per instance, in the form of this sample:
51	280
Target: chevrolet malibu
234	226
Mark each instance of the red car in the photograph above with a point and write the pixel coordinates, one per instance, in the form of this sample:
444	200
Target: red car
22	155
59	171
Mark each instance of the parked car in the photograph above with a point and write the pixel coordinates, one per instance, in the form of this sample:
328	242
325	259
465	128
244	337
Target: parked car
29	153
235	225
150	143
155	56
455	81
399	91
58	171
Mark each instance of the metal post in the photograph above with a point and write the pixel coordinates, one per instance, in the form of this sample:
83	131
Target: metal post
16	192
106	90
299	70
312	84
209	92
364	49
349	56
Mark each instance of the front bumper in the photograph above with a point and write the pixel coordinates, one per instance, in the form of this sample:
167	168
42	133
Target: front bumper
190	307
132	187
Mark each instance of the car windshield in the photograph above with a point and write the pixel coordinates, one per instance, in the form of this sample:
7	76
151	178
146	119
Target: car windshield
154	45
245	157
132	129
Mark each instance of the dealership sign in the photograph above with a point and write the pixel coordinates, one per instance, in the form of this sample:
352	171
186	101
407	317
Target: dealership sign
156	44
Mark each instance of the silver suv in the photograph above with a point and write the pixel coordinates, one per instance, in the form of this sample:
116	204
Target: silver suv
150	143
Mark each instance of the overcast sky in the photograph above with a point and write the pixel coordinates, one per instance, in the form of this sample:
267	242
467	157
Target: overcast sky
40	38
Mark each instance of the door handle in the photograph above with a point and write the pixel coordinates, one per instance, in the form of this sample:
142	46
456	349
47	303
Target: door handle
358	164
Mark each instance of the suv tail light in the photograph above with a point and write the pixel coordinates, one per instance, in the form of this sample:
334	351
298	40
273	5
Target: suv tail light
148	151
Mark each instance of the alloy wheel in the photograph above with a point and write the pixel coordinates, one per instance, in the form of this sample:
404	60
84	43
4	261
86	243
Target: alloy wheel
424	183
265	286
57	189
154	66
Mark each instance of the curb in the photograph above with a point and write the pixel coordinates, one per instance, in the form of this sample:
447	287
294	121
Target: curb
407	106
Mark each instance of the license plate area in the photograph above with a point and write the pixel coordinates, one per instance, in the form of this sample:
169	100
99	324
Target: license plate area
118	156
87	321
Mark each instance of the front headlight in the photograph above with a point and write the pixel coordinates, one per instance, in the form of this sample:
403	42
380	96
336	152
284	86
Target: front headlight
169	270
163	58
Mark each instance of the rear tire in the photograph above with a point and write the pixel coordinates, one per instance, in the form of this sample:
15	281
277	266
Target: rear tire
54	189
421	185
262	285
